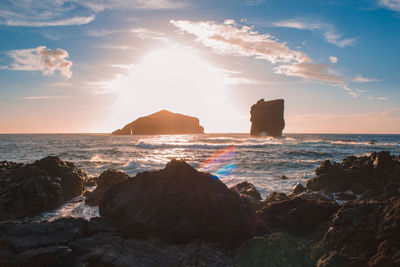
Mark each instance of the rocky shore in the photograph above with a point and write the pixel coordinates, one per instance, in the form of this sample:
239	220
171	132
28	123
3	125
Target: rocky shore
347	215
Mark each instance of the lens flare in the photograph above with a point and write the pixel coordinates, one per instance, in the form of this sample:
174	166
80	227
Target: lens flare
221	162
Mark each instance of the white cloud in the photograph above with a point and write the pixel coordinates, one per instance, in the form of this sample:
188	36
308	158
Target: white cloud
42	59
143	33
63	22
45	13
328	31
381	98
310	71
244	41
361	79
333	59
390	4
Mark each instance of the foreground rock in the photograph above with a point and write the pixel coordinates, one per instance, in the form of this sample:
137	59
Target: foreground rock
76	242
376	174
28	189
162	122
179	204
104	182
267	118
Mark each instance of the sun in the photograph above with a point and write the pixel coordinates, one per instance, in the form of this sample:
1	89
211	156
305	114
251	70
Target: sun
177	79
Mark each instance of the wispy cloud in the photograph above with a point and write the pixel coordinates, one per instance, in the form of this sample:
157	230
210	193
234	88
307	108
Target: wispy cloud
230	38
46	13
328	31
361	79
390	4
42	59
63	22
143	33
45	97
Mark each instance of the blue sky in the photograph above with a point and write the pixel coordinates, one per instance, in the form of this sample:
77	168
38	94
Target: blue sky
93	66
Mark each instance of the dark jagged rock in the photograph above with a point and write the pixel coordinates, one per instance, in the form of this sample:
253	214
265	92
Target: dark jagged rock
179	204
247	189
378	171
28	189
298	188
162	122
366	233
267	118
297	213
72	178
76	242
105	181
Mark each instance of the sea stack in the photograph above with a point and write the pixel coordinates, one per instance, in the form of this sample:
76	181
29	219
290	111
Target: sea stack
267	118
162	122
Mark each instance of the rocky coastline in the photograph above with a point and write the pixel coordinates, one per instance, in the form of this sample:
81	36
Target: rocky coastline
347	215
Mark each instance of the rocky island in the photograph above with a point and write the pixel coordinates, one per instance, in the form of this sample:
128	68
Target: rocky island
267	118
162	122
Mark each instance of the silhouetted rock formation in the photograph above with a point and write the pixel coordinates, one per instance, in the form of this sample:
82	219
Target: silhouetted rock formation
179	204
28	189
267	118
104	182
162	122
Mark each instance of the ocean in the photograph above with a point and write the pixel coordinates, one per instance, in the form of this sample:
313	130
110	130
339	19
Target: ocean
271	164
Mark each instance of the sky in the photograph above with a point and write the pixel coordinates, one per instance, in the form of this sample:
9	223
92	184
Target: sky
81	66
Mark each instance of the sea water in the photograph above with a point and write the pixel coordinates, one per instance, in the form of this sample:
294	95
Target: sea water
271	164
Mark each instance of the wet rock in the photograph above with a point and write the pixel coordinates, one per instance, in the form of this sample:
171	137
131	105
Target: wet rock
298	188
366	233
72	178
105	181
179	204
378	171
275	250
267	118
247	189
28	189
302	213
75	242
162	122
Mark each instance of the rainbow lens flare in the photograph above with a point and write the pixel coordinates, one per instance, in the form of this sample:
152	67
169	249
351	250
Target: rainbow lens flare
221	162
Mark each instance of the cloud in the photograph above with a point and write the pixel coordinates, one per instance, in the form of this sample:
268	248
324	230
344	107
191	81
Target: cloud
45	97
244	41
64	22
390	4
333	59
143	33
361	79
42	59
46	13
328	31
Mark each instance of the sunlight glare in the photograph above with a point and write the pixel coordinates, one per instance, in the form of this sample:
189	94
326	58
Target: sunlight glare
176	79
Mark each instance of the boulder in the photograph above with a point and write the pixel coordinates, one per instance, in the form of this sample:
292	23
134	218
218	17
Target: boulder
366	233
267	118
378	171
179	204
28	189
72	178
162	122
304	213
246	189
105	181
